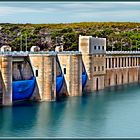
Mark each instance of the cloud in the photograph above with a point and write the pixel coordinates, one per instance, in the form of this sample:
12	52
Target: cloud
69	11
6	10
121	15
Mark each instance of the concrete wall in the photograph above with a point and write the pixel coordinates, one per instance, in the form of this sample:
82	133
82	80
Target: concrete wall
93	57
104	69
6	72
71	64
45	66
122	69
92	45
26	70
95	68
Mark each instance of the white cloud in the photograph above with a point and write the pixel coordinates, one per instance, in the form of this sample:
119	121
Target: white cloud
107	16
70	11
15	10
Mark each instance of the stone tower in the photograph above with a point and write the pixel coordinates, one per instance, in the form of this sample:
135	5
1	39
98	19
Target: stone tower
93	56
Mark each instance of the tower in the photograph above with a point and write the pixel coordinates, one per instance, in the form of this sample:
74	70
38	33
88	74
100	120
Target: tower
93	56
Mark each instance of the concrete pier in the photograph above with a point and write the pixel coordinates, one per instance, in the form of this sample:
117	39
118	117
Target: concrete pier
44	66
93	57
71	64
6	72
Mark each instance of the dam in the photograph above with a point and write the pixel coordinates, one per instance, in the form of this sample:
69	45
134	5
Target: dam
45	76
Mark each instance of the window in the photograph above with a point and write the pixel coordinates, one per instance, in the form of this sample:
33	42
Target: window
102	68
36	73
119	62
122	61
98	68
99	47
112	62
125	62
94	68
106	62
64	70
94	47
133	61
116	62
102	47
109	62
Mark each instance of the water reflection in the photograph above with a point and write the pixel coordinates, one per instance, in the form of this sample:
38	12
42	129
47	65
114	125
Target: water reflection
113	112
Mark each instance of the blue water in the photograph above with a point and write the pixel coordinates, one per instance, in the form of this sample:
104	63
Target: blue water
111	112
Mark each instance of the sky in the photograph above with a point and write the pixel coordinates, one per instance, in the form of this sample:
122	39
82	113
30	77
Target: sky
68	12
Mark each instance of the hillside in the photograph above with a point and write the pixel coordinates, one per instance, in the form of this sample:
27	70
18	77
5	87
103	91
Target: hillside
120	35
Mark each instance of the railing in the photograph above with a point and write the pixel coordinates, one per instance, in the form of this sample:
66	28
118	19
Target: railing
22	53
122	52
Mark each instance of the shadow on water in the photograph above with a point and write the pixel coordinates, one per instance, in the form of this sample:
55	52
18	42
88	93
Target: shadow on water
106	113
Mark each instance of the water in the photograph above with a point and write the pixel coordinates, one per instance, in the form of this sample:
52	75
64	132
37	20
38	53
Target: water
112	112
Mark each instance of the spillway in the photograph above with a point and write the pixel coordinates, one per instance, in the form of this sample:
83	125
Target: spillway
84	79
59	83
23	89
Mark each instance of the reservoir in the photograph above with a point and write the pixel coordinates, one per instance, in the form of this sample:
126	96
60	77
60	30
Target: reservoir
112	112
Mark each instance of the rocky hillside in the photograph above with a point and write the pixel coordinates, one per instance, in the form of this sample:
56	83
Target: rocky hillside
120	36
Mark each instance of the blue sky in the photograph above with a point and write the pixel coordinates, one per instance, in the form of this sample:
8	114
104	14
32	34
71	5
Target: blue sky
67	12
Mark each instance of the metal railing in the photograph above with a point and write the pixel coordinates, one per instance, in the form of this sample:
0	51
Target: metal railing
122	52
26	53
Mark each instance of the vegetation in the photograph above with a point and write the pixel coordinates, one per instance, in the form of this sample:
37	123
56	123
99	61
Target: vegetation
120	35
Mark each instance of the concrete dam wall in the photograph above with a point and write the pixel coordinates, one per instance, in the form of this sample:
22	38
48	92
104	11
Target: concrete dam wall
45	76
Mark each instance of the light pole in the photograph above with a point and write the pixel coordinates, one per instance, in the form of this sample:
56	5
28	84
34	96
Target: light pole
26	41
136	46
121	44
56	41
130	43
21	42
112	44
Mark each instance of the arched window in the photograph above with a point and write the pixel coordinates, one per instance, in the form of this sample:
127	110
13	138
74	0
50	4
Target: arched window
112	62
116	79
119	61
116	62
122	79
96	83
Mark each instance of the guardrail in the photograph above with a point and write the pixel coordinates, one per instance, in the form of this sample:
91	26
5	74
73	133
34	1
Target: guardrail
122	52
26	53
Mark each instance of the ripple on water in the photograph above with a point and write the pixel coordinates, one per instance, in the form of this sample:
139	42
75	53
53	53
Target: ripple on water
113	112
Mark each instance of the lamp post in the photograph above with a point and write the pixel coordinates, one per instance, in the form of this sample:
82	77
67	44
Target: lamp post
121	44
21	42
26	41
112	44
130	43
56	41
136	46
